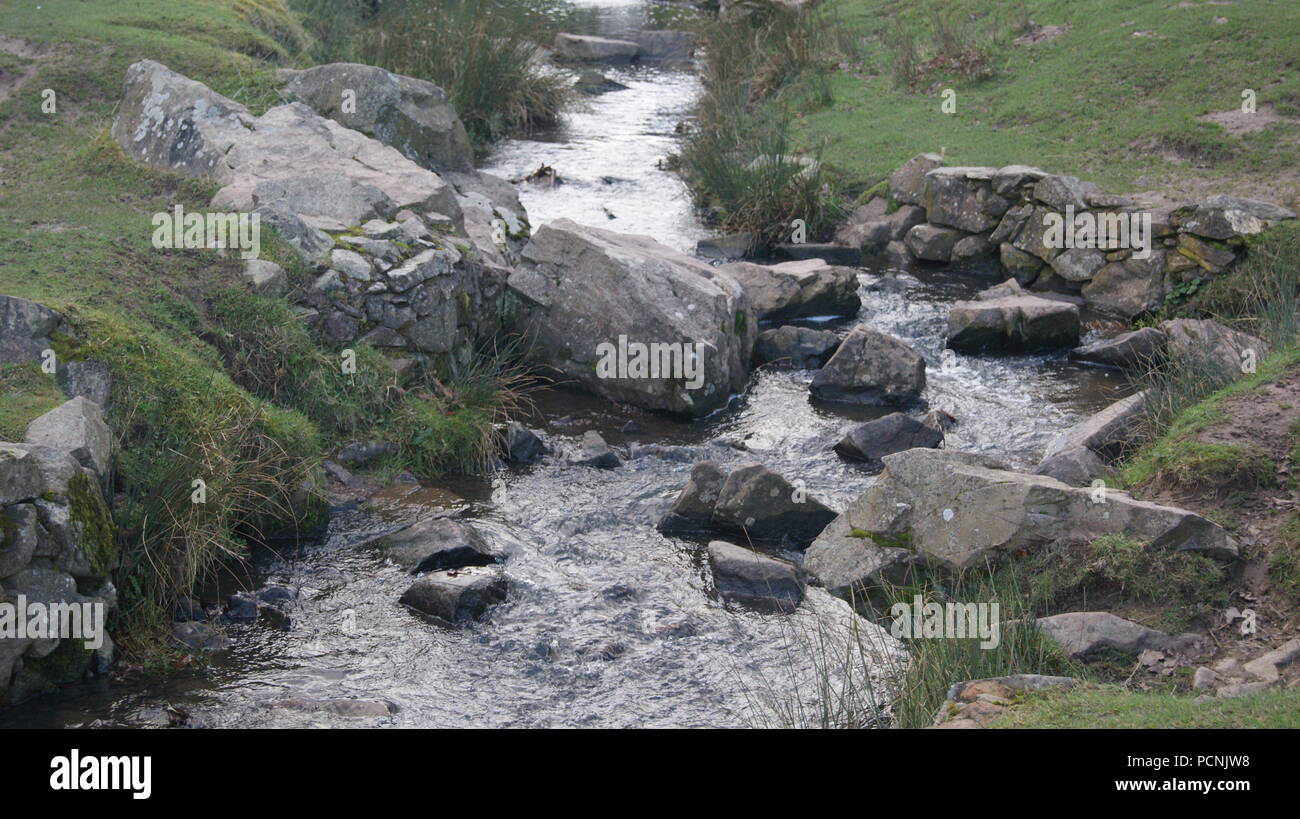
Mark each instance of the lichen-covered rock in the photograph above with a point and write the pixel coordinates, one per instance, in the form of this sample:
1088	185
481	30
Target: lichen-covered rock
1012	322
907	184
25	329
762	505
932	243
76	426
693	510
798	289
414	116
582	292
963	198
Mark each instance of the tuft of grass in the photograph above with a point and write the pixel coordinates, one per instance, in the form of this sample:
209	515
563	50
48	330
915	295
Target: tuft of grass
28	393
481	52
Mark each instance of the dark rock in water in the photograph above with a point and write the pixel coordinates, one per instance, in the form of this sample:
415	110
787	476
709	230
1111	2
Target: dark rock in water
630	428
871	368
459	595
340	707
754	580
276	596
762	505
521	445
894	433
693	510
200	636
189	610
1126	351
830	253
595	452
799	347
593	82
436	544
939	420
241	608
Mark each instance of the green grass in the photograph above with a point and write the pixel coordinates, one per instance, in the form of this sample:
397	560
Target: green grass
28	393
1096	102
1108	707
1284	561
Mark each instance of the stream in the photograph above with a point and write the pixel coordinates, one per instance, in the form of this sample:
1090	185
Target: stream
608	623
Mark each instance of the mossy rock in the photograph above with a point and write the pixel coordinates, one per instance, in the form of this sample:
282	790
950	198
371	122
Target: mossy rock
90	515
66	664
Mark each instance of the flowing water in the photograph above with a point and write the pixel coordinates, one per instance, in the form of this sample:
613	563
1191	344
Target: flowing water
608	623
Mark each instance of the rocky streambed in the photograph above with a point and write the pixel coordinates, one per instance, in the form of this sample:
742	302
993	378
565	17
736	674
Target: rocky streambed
604	620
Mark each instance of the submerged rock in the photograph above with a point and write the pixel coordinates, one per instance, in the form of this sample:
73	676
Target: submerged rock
436	544
754	580
871	368
457	596
893	433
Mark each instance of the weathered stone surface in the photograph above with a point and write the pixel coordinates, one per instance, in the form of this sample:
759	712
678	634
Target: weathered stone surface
960	512
458	596
734	246
1077	466
797	289
971	250
907	184
1078	264
1220	350
76	426
25	328
826	252
663	45
1210	257
19	534
962	198
436	544
1085	633
754	580
594	452
414	116
850	564
932	243
762	505
976	703
1012	322
1058	192
20	474
1128	351
265	277
800	347
871	368
1105	433
591	81
893	433
693	510
1223	217
1034	236
1124	290
584	48
1023	267
581	288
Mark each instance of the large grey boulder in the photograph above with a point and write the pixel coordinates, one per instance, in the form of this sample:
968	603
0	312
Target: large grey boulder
762	505
753	580
1105	433
588	48
800	347
849	563
302	172
1224	217
693	510
1077	466
1133	350
1060	192
436	544
959	512
963	198
871	368
893	433
932	243
414	116
78	427
1012	323
1084	634
1129	288
457	596
19	534
797	289
25	329
1221	351
663	45
580	289
907	184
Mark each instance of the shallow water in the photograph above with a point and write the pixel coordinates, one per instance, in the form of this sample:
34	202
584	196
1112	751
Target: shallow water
608	623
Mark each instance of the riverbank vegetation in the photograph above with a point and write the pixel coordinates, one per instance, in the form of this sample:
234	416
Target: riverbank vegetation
210	382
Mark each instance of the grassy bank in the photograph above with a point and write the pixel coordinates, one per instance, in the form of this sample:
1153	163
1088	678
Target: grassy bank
1111	707
1133	94
210	382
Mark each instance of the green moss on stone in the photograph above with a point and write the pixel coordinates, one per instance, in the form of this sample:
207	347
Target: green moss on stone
87	510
